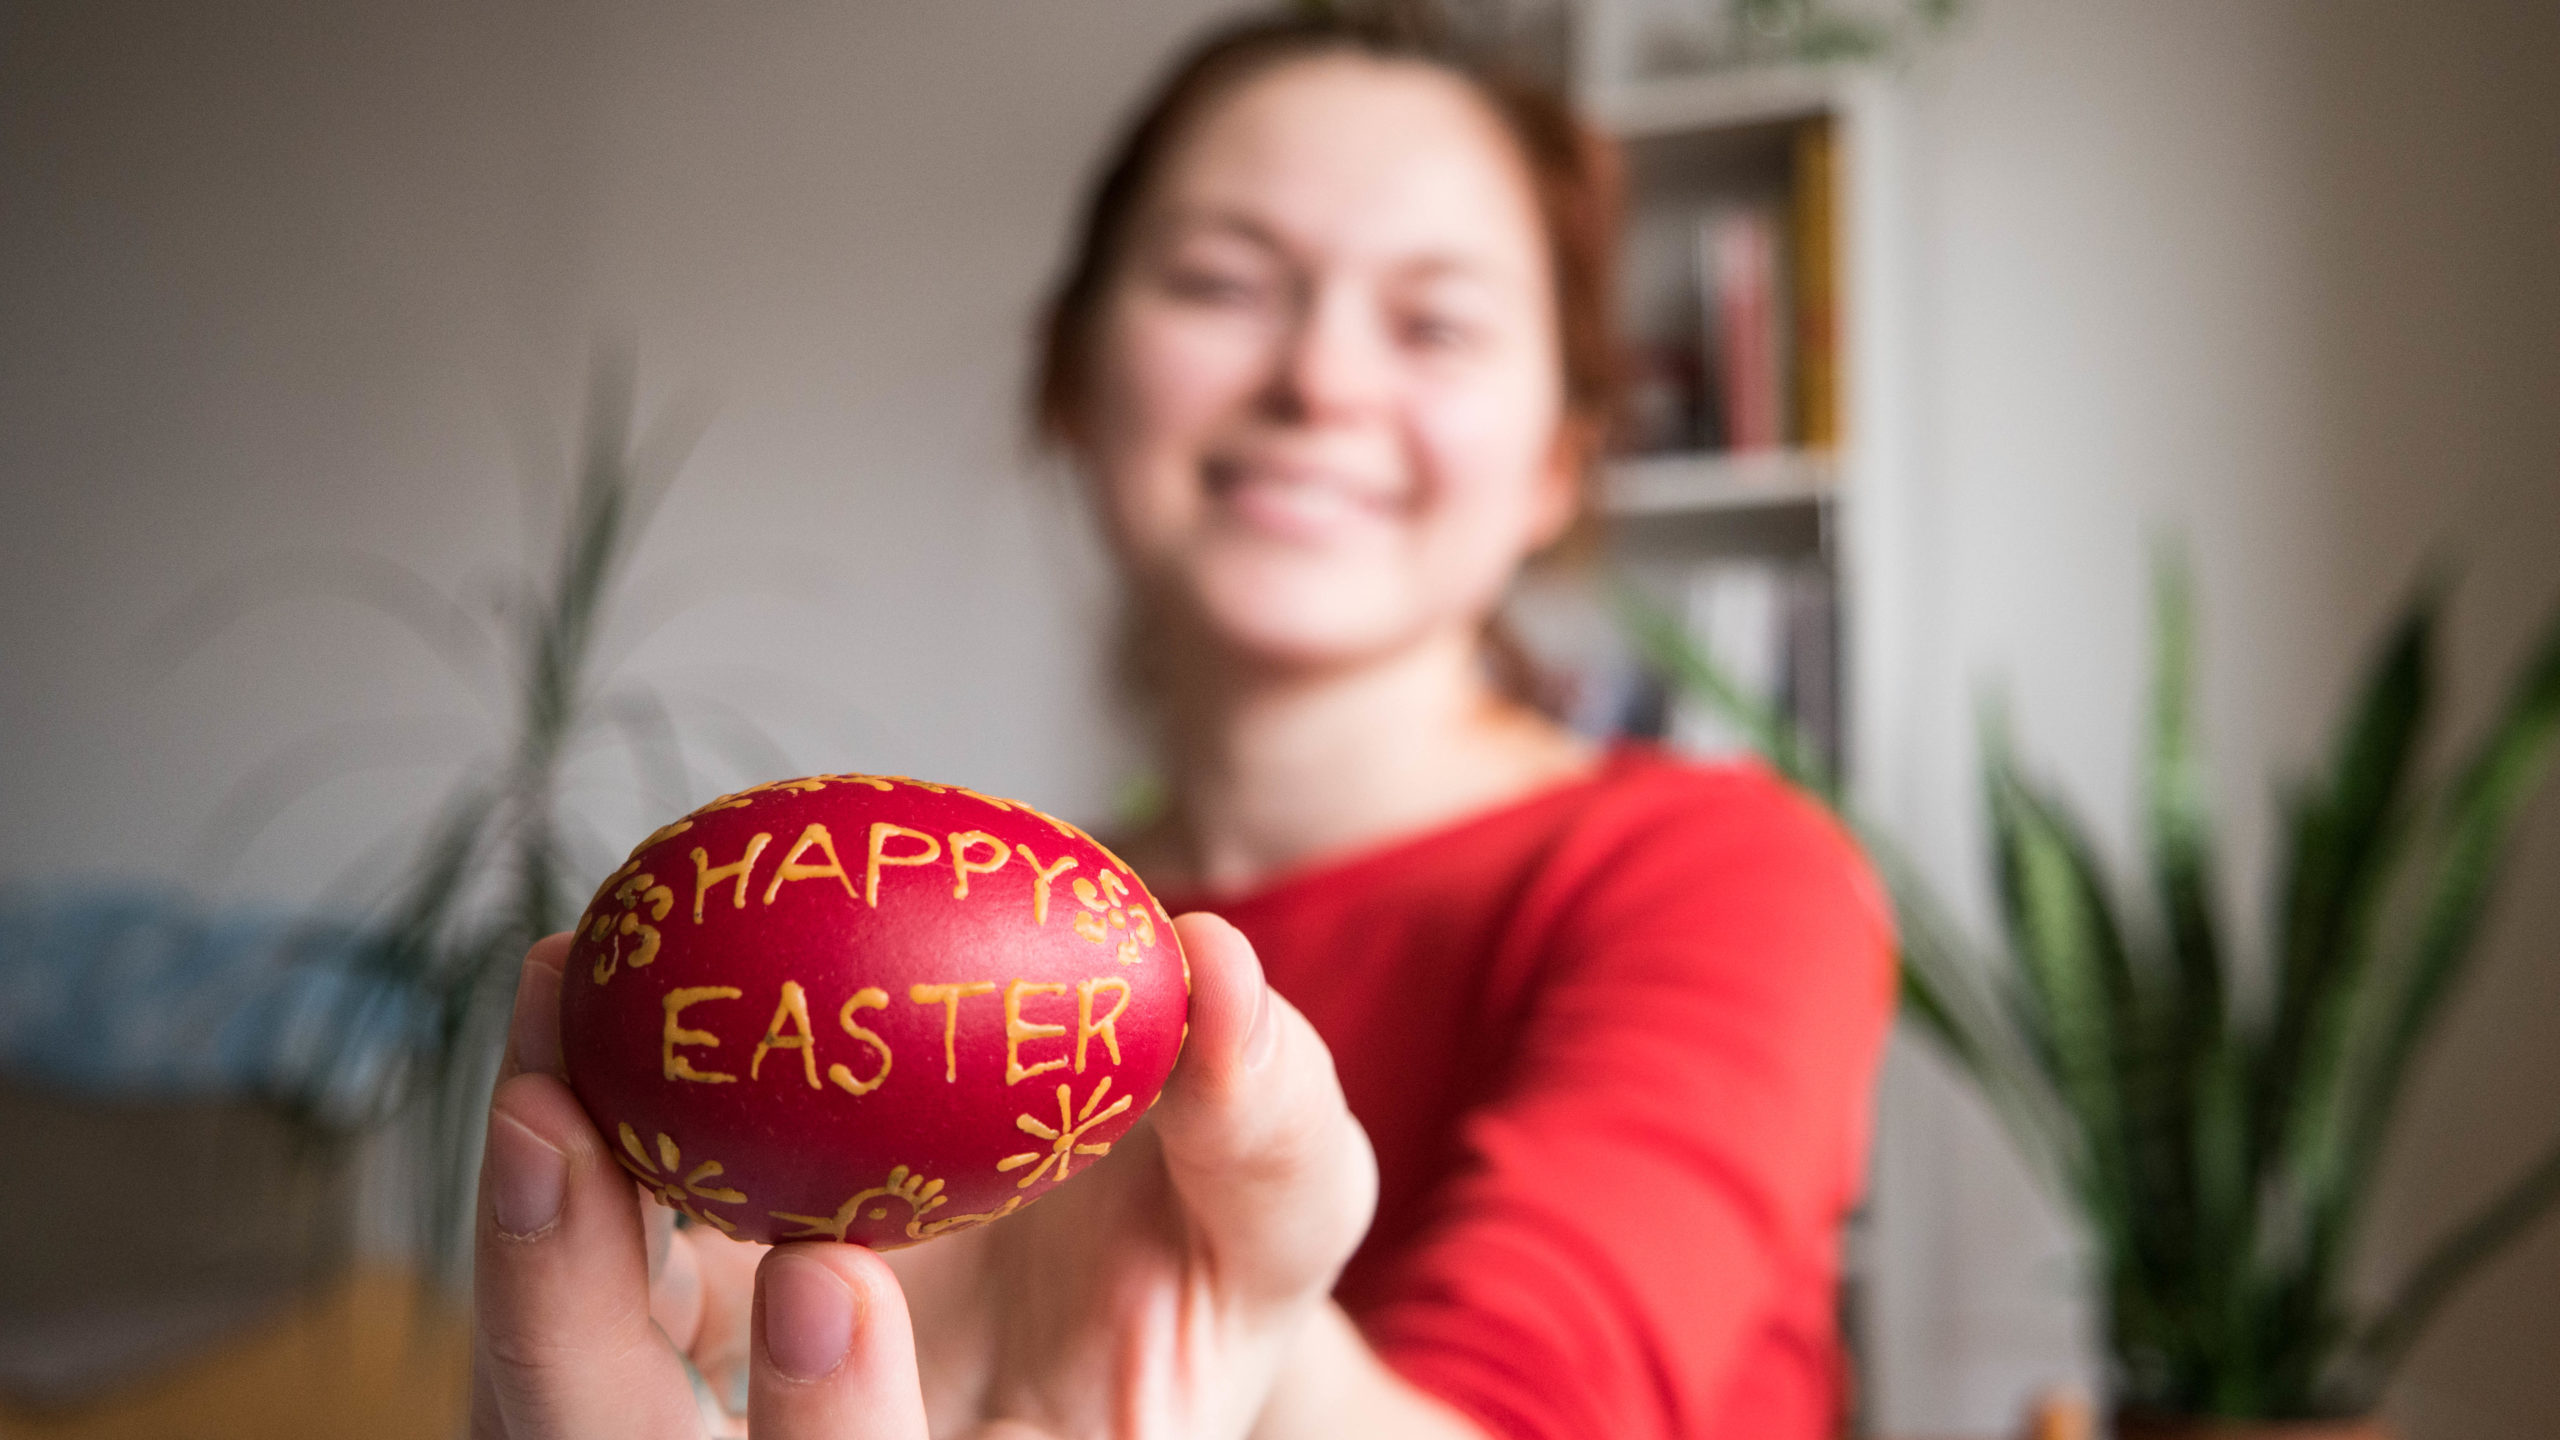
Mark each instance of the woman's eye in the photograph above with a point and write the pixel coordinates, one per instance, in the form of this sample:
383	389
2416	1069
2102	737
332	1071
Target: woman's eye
1427	331
1213	287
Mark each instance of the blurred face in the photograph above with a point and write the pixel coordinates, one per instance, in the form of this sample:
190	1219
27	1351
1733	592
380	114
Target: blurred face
1325	396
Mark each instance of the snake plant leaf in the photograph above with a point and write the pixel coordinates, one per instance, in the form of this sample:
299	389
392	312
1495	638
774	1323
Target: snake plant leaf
2186	1083
2345	837
1950	1003
2473	828
2069	952
2379	1347
2179	824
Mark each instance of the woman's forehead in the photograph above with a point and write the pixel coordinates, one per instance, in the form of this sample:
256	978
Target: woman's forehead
1357	159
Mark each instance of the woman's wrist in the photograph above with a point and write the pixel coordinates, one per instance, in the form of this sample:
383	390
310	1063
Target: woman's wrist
1332	1386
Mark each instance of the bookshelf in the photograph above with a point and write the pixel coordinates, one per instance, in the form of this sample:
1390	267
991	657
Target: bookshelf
1755	534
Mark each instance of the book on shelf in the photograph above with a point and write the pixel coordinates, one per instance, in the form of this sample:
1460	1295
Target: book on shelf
1813	206
1745	324
1759	368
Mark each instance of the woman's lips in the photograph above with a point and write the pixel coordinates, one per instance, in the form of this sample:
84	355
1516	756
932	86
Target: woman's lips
1298	502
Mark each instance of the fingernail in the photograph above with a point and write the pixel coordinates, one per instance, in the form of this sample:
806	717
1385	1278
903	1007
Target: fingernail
527	1178
533	1034
808	1317
1263	1037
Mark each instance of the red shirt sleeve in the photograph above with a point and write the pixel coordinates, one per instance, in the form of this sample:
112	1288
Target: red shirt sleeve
1645	1210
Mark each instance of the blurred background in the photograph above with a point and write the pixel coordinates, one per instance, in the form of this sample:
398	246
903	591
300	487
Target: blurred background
300	308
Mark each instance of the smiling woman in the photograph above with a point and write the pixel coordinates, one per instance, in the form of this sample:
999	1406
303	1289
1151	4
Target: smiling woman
1526	1085
1323	396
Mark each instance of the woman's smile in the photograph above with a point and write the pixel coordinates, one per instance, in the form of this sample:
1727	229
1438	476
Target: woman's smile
1301	502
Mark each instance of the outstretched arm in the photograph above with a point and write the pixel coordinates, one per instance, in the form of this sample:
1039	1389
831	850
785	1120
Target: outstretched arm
1180	1288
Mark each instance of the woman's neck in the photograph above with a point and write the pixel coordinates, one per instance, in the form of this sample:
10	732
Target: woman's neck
1273	769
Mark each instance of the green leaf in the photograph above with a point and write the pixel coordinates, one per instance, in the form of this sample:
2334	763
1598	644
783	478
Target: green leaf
1943	989
2343	843
2379	1348
2186	1082
1667	646
2077	989
2473	827
2180	826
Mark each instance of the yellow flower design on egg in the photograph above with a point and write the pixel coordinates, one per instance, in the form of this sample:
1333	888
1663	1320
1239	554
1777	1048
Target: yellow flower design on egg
680	1189
1066	1138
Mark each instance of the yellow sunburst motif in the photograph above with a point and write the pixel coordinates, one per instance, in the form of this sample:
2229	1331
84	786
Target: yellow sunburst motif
921	1196
666	1177
1066	1138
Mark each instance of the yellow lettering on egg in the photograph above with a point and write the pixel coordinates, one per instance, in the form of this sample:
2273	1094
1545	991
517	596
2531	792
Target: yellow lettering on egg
706	875
676	1066
794	1008
882	832
813	838
869	997
1040	881
1087	1028
949	998
1017	1030
962	867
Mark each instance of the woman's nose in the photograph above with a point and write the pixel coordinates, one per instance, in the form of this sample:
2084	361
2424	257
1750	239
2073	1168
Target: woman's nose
1334	362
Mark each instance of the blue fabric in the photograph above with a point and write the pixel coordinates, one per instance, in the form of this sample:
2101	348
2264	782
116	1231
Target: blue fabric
147	994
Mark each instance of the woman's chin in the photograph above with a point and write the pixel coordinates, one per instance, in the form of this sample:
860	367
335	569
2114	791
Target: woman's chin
1310	617
1312	637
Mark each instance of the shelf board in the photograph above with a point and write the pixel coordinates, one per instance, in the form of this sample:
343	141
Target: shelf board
1675	105
1707	482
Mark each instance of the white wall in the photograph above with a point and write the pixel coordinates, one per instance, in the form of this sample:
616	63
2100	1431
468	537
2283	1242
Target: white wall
2274	275
293	276
2275	278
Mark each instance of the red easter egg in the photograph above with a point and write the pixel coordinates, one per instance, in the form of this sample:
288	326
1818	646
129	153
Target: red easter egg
867	1008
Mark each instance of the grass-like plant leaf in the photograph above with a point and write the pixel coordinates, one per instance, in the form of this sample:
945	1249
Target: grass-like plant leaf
2221	1154
492	871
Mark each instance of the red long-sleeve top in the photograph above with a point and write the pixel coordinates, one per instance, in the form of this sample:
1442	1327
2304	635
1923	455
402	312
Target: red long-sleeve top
1614	1045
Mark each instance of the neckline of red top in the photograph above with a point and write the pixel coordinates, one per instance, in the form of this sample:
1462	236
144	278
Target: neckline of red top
1620	758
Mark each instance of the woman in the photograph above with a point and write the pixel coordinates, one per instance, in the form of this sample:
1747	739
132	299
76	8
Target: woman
1332	356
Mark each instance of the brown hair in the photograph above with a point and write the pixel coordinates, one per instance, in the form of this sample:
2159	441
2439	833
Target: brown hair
1573	172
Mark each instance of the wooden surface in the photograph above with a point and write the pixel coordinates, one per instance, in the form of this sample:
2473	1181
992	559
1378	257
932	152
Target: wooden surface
359	1359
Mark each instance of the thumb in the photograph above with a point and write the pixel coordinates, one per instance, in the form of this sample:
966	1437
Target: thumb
1272	1170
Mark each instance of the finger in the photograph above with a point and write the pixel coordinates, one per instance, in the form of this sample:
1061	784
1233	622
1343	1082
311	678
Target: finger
835	1356
535	1017
1257	1139
533	1031
563	1342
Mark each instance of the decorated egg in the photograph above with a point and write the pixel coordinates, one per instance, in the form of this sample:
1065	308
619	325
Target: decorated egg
868	1008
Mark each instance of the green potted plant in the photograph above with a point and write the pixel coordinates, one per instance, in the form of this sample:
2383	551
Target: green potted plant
2219	1148
428	968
